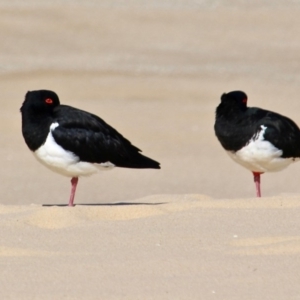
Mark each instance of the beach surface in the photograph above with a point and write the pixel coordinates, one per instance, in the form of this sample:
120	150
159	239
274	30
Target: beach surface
155	71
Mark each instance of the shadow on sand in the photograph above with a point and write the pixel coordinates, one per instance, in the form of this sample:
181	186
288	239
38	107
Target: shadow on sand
107	204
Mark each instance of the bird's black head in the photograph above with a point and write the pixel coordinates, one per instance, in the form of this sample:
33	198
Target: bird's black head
40	102
37	115
235	98
232	104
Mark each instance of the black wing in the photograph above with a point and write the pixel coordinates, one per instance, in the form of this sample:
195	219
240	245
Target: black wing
283	133
93	140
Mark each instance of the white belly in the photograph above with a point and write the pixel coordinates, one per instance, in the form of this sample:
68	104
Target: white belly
54	157
261	156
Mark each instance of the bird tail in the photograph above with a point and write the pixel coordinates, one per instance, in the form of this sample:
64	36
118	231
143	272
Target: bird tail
139	161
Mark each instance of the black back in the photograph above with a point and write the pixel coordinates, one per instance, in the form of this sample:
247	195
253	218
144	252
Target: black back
80	132
236	124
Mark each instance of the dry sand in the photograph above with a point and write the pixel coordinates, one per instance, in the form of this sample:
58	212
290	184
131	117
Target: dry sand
155	71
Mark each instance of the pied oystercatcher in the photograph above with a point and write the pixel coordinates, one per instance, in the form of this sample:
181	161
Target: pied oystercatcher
259	140
73	142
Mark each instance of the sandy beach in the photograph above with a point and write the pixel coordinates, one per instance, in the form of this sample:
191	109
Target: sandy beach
154	70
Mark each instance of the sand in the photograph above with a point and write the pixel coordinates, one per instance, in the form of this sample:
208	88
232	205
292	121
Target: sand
154	70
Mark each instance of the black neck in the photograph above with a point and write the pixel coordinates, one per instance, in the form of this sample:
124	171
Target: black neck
35	129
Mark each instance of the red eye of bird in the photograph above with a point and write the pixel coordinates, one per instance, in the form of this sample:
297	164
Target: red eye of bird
245	100
49	101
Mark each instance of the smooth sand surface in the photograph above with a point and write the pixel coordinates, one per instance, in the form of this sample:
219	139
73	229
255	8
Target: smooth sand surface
154	70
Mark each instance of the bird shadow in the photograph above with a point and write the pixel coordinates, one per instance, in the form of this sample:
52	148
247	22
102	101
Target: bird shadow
107	204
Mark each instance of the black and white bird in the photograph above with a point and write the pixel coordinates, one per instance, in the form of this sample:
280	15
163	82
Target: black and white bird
259	140
73	142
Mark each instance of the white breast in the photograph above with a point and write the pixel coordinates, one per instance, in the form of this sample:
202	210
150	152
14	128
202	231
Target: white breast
260	155
54	157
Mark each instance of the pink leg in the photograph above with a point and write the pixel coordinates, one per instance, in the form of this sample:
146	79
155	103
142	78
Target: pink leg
257	183
74	182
